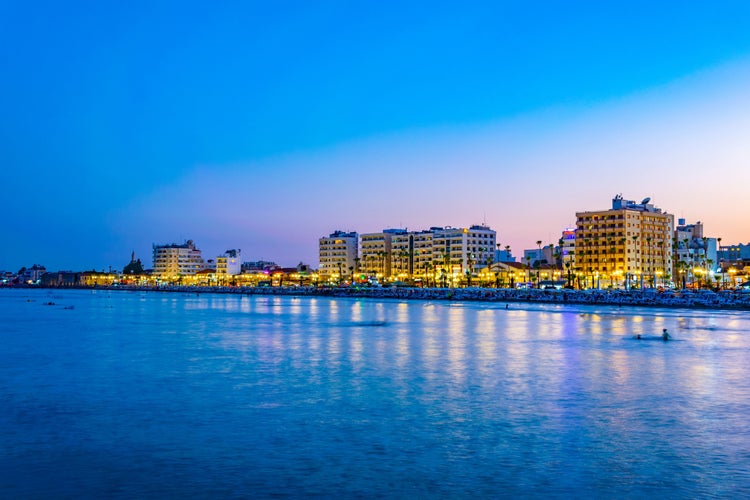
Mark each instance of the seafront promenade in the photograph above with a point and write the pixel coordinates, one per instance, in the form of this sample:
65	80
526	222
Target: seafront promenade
726	299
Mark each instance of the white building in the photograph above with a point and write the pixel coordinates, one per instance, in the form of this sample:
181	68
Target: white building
175	260
338	254
695	255
229	264
463	249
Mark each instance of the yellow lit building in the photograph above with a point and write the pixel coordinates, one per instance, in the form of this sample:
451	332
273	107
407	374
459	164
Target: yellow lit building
376	253
229	264
174	261
337	255
629	245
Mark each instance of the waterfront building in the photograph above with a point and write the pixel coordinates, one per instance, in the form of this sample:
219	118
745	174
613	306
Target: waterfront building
534	256
61	279
173	261
510	274
376	253
32	275
258	265
229	264
735	253
338	254
449	253
96	278
694	255
462	251
566	252
413	254
629	244
504	255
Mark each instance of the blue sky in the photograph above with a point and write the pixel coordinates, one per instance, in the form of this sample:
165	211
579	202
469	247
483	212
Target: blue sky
265	125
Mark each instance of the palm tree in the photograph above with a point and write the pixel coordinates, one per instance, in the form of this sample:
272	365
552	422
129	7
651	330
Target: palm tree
470	268
404	254
528	267
489	261
650	261
538	263
381	263
638	254
721	261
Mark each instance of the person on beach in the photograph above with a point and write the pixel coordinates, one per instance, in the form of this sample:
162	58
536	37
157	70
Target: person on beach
665	335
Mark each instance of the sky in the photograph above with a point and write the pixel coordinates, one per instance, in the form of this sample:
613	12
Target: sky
267	125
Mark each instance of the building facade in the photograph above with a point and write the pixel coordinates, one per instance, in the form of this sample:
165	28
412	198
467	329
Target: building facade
458	251
376	252
413	254
628	245
173	260
338	255
229	264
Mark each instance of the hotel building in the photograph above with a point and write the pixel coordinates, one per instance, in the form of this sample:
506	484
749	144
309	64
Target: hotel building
175	260
398	254
458	250
229	264
337	254
412	254
631	243
376	252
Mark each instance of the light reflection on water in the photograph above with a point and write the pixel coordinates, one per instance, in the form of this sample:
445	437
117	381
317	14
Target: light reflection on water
135	394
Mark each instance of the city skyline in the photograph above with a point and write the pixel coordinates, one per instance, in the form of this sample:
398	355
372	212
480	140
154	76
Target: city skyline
255	128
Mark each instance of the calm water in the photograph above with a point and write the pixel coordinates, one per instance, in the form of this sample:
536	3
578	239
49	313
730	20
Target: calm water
135	394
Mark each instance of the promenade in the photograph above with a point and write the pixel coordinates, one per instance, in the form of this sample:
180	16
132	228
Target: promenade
726	299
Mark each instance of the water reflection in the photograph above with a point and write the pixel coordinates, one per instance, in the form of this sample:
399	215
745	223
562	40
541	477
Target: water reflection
325	396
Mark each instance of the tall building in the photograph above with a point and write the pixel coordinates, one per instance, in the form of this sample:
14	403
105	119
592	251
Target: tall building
175	260
229	264
629	244
398	254
412	253
376	252
337	254
567	245
695	255
463	249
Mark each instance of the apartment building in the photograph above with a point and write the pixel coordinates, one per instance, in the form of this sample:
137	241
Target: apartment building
376	252
175	260
412	253
338	255
629	244
458	250
229	264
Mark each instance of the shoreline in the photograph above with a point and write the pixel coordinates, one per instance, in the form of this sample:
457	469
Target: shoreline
702	299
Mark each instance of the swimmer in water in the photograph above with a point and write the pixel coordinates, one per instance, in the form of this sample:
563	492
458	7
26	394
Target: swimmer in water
665	335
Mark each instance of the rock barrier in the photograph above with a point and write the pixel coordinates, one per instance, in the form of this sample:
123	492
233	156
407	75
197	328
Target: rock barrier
726	299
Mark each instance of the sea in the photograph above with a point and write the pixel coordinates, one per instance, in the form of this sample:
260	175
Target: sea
134	394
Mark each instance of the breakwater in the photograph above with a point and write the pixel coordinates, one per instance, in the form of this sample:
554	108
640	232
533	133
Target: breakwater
725	299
